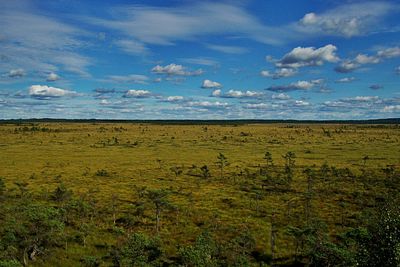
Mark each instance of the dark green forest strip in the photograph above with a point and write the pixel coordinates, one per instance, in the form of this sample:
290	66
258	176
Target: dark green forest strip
205	122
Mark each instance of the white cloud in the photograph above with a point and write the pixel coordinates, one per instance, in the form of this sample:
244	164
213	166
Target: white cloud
361	59
138	93
105	102
132	47
207	84
216	93
228	49
365	59
175	69
16	73
390	52
317	81
308	56
52	77
363	98
207	104
299	85
281	96
132	78
301	103
266	73
304	85
166	25
392	108
37	42
346	66
257	106
174	98
363	102
345	80
237	94
347	20
279	73
44	91
241	94
309	19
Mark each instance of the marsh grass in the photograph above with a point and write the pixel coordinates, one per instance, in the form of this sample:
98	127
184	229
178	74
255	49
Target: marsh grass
106	163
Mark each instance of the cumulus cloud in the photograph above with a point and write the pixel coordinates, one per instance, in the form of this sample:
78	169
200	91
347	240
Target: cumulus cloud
362	98
132	78
207	84
281	96
266	73
301	103
138	94
362	59
345	80
354	102
348	19
285	106
346	66
279	73
390	52
175	69
216	93
52	77
299	85
174	99
308	56
257	106
365	59
392	108
242	94
46	92
16	73
207	104
105	102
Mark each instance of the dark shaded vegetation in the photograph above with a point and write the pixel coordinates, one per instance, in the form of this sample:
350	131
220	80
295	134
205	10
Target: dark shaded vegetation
32	226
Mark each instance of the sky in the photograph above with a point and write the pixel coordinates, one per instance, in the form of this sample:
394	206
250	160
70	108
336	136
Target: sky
249	59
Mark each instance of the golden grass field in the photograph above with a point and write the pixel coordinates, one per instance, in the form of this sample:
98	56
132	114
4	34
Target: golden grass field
135	155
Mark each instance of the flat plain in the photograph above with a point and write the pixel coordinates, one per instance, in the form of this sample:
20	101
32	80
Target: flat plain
112	167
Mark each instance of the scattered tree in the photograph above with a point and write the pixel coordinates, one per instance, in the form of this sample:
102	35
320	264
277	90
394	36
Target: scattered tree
140	250
159	198
268	158
222	162
205	172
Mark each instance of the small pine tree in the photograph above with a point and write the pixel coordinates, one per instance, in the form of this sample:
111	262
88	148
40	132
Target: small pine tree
268	158
205	172
222	162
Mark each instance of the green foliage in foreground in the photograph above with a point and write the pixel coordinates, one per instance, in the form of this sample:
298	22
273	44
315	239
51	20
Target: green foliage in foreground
31	231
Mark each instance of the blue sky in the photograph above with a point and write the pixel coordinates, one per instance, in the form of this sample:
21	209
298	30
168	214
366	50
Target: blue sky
303	59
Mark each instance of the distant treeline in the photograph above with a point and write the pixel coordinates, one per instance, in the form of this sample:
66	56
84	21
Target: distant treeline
204	122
